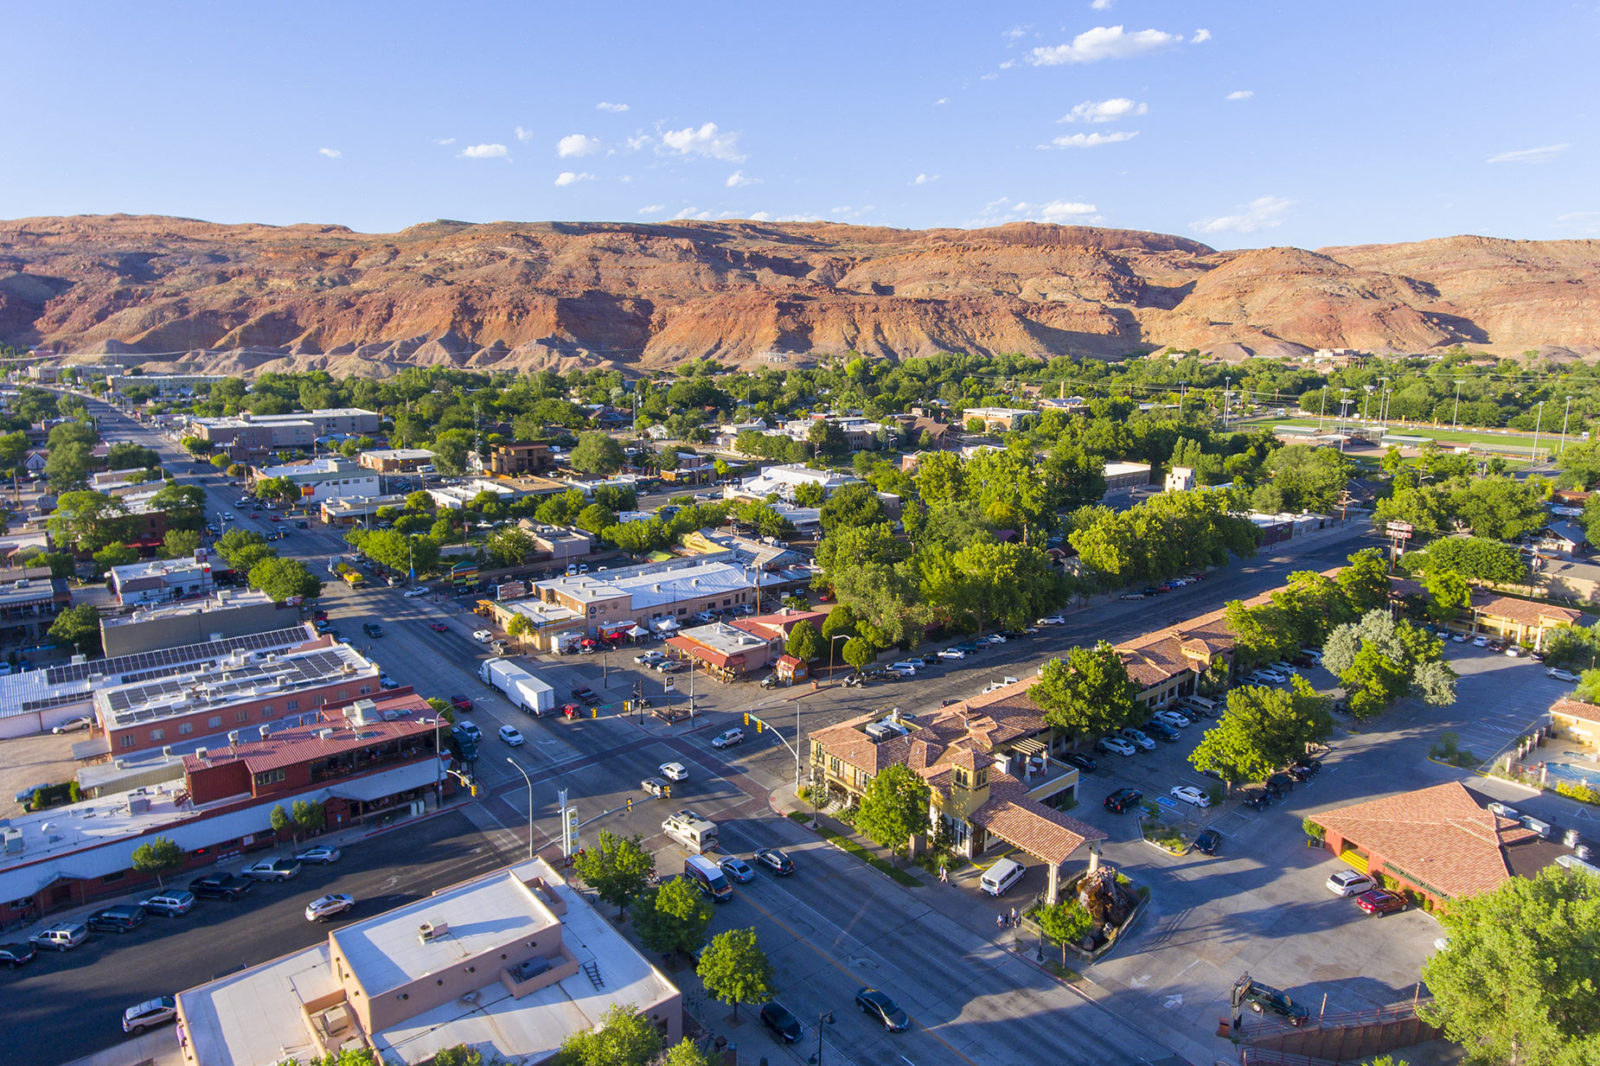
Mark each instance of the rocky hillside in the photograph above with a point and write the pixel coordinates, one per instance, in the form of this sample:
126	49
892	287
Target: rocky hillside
533	295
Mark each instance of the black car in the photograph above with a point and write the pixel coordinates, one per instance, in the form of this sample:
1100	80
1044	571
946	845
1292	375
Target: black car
121	919
1208	841
585	695
1258	801
1279	785
930	659
1308	765
776	860
1162	731
372	629
1264	999
780	1022
1123	798
221	886
884	1009
14	955
1081	761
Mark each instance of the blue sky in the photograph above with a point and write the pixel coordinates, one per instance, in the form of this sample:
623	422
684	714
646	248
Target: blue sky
1239	124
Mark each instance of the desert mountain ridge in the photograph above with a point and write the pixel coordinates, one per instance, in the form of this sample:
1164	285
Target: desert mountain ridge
202	296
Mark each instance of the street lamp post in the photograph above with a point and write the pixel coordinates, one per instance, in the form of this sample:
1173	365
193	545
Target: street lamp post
825	1018
835	637
529	780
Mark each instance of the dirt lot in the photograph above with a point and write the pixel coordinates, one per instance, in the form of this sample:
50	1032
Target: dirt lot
38	760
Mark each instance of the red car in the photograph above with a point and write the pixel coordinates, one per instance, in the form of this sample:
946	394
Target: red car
461	703
438	627
275	518
1381	901
255	514
319	616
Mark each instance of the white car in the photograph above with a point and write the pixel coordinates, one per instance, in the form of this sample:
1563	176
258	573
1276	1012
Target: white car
1459	638
1350	883
413	593
511	735
905	667
951	653
1115	744
728	738
1172	718
1053	620
1480	642
149	1014
650	658
72	725
1274	676
1190	795
324	907
673	771
1137	739
1561	675
322	854
995	638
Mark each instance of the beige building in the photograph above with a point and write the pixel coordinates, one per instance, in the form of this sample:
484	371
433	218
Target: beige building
227	613
510	964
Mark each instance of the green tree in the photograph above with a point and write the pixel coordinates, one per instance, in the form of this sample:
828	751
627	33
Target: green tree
79	626
309	816
114	554
179	543
280	821
858	652
894	807
518	628
840	620
597	454
88	521
67	466
617	868
810	494
852	505
1089	693
1515	983
1065	922
277	489
159	856
685	1053
1313	604
1262	634
1365	581
735	970
625	1038
595	518
1379	660
1310	479
803	642
419	501
282	579
1448	595
672	918
510	546
1474	558
1262	730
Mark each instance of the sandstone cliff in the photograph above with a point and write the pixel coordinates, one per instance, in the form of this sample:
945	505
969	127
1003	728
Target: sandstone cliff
531	295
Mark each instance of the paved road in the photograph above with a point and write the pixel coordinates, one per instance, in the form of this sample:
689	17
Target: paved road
61	1007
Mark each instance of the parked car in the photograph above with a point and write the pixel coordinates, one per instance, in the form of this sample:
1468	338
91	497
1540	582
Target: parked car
674	771
728	738
1350	883
649	658
149	1014
1264	999
952	653
1381	901
470	730
906	667
775	860
321	854
1190	795
1480	642
24	796
1123	799
221	886
737	869
782	1024
585	694
672	666
123	918
1257	801
272	869
511	735
14	955
1561	675
1208	842
885	1010
994	638
1137	739
1163	731
61	936
482	636
1107	745
1171	718
324	907
168	904
1052	620
1083	762
73	725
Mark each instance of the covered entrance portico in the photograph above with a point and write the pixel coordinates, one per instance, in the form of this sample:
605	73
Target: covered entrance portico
1048	835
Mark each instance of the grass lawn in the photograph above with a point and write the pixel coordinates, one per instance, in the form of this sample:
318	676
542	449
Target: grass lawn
1509	440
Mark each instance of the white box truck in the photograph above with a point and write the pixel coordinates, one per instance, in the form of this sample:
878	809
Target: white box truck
518	685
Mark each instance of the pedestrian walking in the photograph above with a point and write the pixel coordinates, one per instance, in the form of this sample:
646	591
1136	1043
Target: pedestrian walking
1013	917
944	874
1000	921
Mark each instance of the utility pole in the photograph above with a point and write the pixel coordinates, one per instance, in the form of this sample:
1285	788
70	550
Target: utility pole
1457	408
1323	410
1564	415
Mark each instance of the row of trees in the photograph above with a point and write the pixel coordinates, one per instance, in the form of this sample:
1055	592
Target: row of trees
282	579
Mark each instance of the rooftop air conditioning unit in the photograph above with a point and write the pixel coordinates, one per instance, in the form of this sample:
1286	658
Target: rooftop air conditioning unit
428	932
264	731
233	738
166	751
200	753
878	732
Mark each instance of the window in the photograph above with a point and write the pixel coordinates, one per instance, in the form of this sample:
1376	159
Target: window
214	722
158	734
126	740
269	777
293	705
111	879
242	715
365	689
185	728
266	711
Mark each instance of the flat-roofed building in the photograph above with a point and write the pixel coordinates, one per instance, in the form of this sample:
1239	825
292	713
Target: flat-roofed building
510	963
999	418
652	594
226	613
30	599
520	458
1125	477
459	497
161	580
395	460
783	479
344	511
322	479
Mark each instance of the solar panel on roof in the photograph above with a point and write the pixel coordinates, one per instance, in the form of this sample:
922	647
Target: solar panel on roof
123	665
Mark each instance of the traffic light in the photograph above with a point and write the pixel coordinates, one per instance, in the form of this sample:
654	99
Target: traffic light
630	803
474	788
666	793
759	724
746	717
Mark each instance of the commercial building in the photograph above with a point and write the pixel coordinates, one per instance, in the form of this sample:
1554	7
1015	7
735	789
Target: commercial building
346	511
395	460
162	580
653	595
227	613
322	479
1179	479
510	964
248	434
999	419
520	458
989	763
558	543
731	650
783	479
30	599
459	497
357	763
1125	477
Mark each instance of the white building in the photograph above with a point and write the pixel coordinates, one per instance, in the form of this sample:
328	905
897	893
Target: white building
457	497
160	580
1179	479
324	479
784	479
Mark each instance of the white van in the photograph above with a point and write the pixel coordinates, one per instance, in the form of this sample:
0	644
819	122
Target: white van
1001	876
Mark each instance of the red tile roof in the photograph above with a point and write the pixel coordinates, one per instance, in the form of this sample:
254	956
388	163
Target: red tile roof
291	747
1441	837
1525	612
1010	815
1569	708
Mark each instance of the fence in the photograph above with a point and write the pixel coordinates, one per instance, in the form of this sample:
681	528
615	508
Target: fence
1338	1037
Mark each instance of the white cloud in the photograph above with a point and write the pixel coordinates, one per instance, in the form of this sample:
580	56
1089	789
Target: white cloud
737	180
1008	64
988	77
1582	221
1015	32
760	216
1093	140
568	177
708	140
941	100
1100	5
523	133
483	151
692	212
1060	210
1102	42
442	141
1265	212
605	105
1530	155
652	209
331	153
923	179
637	141
1104	110
1200	37
576	144
1241	94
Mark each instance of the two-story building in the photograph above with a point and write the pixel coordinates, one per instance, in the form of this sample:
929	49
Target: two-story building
161	580
654	596
30	599
520	458
325	478
395	460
